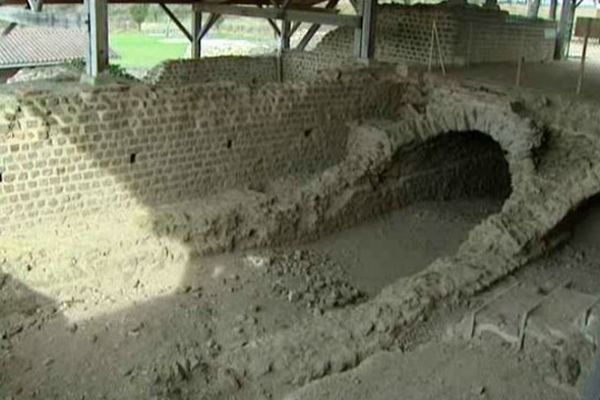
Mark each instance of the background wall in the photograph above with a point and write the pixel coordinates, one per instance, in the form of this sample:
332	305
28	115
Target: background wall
248	70
81	150
298	66
467	34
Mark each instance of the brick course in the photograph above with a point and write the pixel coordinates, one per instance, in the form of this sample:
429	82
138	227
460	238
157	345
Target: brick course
79	150
241	69
467	34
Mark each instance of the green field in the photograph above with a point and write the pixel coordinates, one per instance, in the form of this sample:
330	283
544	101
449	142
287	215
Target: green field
142	51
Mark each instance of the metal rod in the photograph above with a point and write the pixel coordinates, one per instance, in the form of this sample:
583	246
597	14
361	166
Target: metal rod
431	41
582	64
313	15
519	62
469	44
439	49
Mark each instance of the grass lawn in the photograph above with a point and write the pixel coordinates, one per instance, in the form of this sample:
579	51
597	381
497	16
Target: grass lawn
143	51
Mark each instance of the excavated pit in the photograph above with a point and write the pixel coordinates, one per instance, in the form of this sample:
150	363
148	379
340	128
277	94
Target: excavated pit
430	223
259	287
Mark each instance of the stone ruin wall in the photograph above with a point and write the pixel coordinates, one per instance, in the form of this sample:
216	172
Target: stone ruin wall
297	66
497	37
467	34
85	150
301	66
241	69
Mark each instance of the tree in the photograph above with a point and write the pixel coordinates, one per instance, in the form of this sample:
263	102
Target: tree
533	8
139	13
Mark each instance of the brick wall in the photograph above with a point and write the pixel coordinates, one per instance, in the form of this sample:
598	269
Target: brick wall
241	69
467	34
297	66
78	150
301	66
496	37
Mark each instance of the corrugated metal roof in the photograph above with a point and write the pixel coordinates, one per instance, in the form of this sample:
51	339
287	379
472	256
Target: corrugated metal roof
27	46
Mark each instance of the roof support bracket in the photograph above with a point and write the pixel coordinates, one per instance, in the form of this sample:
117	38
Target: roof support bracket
176	21
313	15
212	20
314	28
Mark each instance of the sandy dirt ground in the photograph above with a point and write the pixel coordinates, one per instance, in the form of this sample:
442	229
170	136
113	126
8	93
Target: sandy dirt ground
446	370
444	365
96	324
559	77
80	348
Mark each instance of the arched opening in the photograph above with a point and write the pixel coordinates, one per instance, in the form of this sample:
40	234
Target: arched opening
435	192
454	165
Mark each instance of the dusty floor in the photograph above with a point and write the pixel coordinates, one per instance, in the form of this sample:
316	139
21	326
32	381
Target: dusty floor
89	328
153	349
446	365
544	78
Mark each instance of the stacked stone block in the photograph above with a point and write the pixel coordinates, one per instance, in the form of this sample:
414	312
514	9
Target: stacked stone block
466	34
299	66
79	150
496	37
240	69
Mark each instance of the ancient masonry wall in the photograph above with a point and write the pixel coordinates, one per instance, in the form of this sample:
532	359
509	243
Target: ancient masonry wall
301	66
467	34
247	70
297	66
496	37
81	151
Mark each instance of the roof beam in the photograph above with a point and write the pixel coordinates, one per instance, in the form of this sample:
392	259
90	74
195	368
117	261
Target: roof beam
35	5
42	18
316	15
272	23
97	54
304	3
314	27
176	21
212	20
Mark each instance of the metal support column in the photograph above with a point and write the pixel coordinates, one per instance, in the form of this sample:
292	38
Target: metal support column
97	53
563	33
364	35
284	39
196	33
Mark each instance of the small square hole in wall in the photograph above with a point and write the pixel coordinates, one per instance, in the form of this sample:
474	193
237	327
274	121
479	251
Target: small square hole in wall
308	132
229	143
132	158
1	176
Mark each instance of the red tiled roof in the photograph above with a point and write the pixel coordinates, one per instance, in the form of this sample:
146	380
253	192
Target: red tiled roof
29	46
